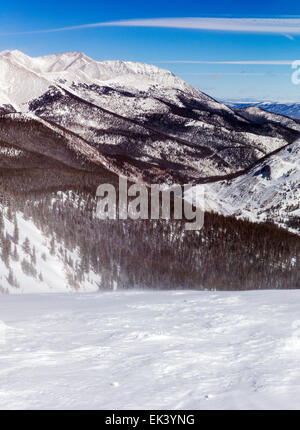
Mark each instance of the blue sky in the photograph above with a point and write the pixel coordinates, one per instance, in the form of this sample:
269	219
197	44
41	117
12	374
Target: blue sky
169	45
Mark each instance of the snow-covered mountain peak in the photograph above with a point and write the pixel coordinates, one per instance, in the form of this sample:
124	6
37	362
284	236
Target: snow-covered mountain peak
14	54
76	67
61	62
44	64
18	82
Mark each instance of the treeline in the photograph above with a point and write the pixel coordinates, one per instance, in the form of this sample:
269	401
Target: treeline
227	254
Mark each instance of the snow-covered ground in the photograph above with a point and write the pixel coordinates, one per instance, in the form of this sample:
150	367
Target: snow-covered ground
53	268
256	197
202	350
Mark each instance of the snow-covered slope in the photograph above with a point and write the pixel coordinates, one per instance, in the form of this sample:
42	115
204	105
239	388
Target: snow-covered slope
262	116
35	267
78	68
269	191
18	84
192	132
151	350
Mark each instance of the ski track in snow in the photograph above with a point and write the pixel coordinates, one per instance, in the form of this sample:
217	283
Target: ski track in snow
150	350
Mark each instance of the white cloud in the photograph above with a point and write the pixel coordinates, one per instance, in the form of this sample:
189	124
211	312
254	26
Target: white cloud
234	74
261	25
288	36
257	62
285	26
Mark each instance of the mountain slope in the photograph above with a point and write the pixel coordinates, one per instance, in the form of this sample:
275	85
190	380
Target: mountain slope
142	113
34	267
19	84
55	240
269	191
80	123
77	67
261	116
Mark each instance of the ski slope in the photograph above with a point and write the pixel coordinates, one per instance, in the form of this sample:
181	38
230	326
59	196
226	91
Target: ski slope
143	350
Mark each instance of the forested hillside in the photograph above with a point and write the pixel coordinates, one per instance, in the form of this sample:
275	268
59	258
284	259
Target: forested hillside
94	254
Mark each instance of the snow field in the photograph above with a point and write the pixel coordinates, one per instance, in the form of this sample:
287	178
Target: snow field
144	350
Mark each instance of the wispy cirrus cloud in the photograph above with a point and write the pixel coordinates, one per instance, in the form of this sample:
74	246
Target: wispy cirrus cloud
233	74
248	62
288	36
284	26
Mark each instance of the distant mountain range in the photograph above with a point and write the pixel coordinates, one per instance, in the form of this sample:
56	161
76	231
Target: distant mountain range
288	109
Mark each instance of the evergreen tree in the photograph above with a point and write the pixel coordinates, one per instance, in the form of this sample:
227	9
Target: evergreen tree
52	247
15	254
33	256
9	213
16	231
6	250
26	246
10	278
1	221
